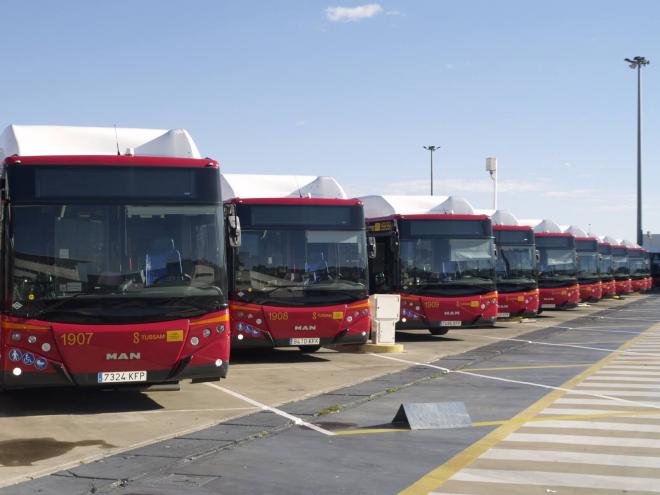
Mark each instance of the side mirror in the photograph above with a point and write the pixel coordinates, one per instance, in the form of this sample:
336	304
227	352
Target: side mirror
495	252
371	247
538	256
233	225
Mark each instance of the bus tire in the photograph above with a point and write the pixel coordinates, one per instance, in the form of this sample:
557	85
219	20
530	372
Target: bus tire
309	349
438	331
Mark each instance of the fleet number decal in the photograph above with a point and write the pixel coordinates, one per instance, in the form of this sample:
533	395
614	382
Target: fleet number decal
81	338
278	315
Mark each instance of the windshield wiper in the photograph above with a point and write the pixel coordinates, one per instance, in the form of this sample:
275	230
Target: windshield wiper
60	302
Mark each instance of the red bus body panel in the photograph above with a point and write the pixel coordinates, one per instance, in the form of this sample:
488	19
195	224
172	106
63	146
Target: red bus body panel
254	325
422	312
623	287
64	354
512	304
559	297
638	284
609	288
591	292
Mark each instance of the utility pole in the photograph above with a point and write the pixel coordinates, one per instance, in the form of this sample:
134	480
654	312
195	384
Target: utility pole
638	63
432	149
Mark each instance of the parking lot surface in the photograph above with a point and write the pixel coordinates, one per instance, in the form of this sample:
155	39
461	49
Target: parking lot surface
565	402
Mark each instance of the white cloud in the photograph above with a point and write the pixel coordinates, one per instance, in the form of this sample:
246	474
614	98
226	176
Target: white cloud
352	14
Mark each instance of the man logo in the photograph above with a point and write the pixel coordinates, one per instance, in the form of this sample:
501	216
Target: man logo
122	356
304	328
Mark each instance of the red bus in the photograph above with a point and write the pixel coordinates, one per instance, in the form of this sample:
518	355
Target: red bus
299	276
438	255
589	279
557	265
606	270
621	267
515	266
114	264
639	267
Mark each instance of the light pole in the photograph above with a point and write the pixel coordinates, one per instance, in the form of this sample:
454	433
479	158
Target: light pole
432	149
638	63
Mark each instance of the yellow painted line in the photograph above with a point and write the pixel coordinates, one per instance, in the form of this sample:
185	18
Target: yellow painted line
435	478
530	367
559	417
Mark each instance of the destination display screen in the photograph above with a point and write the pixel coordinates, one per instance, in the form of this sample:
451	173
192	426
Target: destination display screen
451	228
29	184
302	216
514	237
555	242
587	245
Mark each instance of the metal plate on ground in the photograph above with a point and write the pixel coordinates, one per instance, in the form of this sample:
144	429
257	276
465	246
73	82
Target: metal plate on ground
432	415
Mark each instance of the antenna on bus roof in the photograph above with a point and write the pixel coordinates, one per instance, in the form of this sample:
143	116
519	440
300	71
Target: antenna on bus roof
117	141
298	186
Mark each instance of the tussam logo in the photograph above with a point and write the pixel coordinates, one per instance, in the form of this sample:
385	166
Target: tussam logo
304	328
122	356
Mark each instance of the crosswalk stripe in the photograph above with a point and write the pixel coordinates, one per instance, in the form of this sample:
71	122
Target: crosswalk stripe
626	372
613	385
575	457
601	377
585	440
616	393
568	411
596	425
603	402
558	479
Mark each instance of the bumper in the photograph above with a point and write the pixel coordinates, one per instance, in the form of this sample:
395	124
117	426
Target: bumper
340	339
421	325
61	378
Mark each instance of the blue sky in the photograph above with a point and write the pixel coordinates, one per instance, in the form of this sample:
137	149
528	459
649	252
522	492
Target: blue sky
292	87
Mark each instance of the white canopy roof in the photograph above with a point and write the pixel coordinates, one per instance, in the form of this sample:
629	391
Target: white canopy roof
39	140
376	206
577	231
630	244
542	226
280	186
611	240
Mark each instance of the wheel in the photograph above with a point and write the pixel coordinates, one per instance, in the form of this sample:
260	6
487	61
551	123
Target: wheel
438	331
309	349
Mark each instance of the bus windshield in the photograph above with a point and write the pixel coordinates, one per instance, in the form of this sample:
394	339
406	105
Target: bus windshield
515	264
300	267
431	264
557	257
299	255
638	264
620	264
113	263
587	265
516	259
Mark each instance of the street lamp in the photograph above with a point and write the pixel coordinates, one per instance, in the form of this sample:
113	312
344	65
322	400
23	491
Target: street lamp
432	149
638	63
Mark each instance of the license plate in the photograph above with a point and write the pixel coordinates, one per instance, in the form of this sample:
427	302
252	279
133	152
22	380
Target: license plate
122	376
503	315
305	341
549	306
450	323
